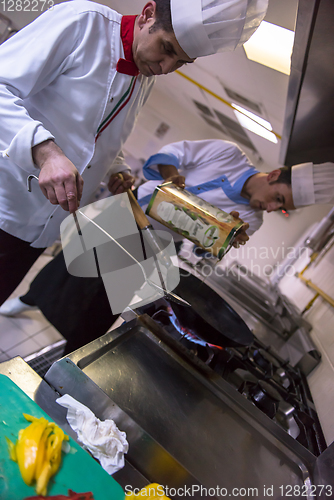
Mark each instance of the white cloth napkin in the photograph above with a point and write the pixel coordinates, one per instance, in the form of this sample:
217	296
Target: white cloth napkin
103	439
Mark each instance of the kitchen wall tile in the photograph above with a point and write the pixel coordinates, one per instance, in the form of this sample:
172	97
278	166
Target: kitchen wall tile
23	349
31	322
10	334
46	337
322	315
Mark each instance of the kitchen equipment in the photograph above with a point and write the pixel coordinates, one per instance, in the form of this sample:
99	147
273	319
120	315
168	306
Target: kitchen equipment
260	297
210	317
78	471
190	410
194	218
203	415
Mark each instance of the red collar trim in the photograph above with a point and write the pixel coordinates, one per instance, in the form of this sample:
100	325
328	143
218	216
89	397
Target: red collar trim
127	65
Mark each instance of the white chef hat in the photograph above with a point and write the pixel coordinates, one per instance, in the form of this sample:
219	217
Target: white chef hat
312	184
204	27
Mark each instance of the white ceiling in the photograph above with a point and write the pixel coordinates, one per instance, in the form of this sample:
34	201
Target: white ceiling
264	86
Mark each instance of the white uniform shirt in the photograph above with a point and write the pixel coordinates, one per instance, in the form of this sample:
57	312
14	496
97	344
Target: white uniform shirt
214	170
58	79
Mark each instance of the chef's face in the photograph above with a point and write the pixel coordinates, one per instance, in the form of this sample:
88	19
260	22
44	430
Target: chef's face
156	52
271	196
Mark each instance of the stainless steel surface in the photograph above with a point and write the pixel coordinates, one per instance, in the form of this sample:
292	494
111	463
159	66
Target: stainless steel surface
323	473
23	376
260	288
200	420
148	460
301	352
264	455
309	123
318	238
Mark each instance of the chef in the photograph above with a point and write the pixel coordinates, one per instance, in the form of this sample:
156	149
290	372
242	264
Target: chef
219	172
215	170
71	86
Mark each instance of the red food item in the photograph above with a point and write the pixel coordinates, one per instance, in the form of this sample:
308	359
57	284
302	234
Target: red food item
71	495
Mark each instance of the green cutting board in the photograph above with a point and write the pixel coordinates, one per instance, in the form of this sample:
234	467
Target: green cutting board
78	471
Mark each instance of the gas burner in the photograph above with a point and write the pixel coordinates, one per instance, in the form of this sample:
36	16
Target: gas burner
270	366
187	332
270	383
282	377
264	396
204	351
263	359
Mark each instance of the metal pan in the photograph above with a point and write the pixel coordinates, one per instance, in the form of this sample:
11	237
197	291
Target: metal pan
210	317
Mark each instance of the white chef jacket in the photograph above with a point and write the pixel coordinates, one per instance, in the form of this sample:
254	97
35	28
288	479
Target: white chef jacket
58	79
214	170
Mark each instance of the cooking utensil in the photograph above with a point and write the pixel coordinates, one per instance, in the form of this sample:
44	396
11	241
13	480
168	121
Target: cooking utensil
210	317
155	244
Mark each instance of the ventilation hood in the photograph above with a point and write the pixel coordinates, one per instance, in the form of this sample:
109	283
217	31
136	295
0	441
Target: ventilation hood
309	120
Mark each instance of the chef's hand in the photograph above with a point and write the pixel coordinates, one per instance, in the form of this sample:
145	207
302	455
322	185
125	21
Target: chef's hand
170	173
117	185
177	179
59	180
241	237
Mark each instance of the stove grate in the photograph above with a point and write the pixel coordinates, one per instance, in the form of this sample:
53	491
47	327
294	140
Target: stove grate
41	361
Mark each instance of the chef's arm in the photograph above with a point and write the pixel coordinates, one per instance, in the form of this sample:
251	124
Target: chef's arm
59	179
170	174
27	70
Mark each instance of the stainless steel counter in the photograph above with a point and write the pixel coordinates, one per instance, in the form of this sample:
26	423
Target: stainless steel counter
186	426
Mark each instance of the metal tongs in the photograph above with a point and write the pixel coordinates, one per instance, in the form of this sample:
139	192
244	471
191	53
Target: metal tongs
148	231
